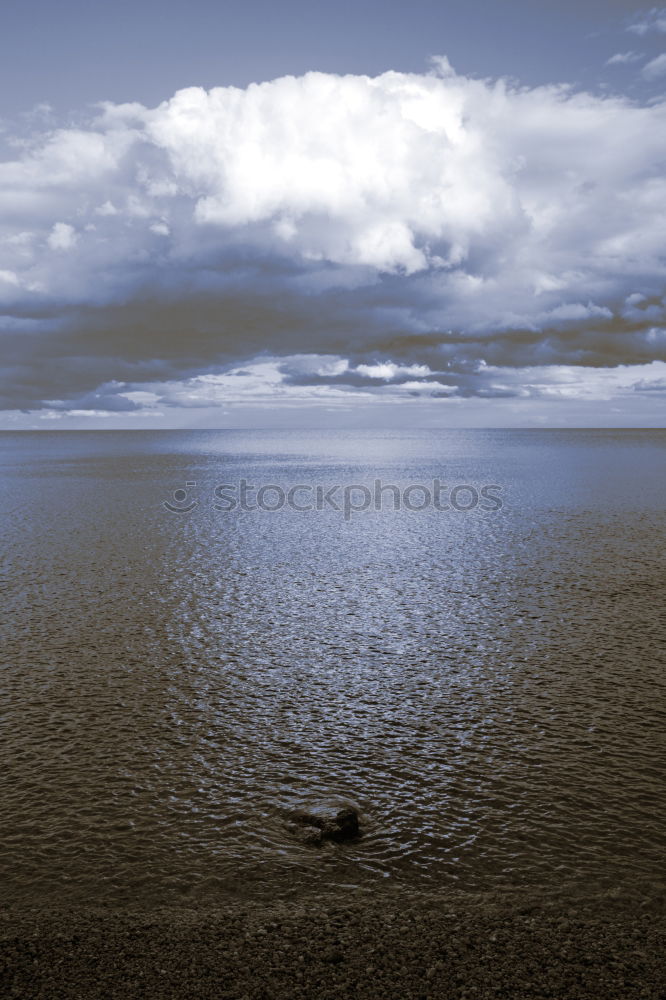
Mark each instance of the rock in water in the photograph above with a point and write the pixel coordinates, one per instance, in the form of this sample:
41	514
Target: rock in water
343	826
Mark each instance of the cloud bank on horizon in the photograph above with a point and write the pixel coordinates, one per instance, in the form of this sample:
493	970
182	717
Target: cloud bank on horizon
326	239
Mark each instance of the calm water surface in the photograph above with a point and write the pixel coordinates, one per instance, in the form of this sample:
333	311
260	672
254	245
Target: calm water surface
486	687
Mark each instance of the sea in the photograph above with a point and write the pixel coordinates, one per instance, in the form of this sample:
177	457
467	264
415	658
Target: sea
458	633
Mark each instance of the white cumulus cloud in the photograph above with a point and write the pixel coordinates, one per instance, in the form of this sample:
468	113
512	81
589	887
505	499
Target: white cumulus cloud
404	223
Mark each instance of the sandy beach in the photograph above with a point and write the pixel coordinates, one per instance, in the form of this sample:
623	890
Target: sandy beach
380	947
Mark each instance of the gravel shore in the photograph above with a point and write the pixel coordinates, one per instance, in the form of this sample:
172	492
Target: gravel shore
384	947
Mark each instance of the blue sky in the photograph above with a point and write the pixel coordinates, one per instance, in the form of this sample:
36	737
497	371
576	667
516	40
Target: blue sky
447	214
77	51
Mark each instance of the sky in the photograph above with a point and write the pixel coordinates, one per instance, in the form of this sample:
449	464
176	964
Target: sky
360	214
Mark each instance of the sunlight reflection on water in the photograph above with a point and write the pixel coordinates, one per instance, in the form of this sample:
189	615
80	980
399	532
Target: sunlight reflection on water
484	688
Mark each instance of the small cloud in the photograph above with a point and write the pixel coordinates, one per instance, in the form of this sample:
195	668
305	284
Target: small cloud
62	237
655	68
654	20
441	66
645	385
623	59
108	208
285	229
389	370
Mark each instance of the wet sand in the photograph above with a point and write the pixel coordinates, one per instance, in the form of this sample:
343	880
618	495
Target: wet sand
369	947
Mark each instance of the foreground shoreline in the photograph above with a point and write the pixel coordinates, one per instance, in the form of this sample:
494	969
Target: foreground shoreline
370	947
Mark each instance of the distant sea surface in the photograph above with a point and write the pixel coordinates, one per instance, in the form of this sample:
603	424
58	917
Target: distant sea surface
486	687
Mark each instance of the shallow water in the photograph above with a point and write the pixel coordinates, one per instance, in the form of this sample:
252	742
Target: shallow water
486	687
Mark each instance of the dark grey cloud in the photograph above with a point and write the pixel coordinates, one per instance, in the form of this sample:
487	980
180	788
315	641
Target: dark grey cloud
179	335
